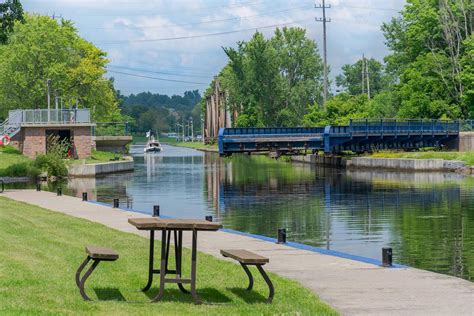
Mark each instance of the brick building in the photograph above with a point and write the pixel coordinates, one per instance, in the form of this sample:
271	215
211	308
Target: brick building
29	130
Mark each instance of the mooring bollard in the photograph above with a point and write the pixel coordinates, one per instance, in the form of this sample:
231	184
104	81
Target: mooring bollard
387	257
60	191
156	211
84	196
281	236
3	186
209	218
38	187
116	203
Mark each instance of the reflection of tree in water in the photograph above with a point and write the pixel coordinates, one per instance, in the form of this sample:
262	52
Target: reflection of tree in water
424	217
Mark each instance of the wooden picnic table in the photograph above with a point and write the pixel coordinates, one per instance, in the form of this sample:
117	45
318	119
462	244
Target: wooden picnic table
175	226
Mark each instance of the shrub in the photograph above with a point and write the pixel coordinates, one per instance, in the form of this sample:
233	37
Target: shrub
53	162
21	169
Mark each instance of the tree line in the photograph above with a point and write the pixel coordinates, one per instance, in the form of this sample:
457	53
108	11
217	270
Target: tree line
429	73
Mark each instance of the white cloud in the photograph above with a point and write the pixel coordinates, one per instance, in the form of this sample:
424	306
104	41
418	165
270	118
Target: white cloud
354	30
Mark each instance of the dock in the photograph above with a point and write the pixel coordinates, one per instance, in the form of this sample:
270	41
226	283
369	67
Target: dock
352	287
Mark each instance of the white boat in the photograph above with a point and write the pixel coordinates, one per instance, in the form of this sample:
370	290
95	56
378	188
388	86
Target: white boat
152	145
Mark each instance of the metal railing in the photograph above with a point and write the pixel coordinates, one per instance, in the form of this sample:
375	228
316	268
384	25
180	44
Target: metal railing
111	129
44	116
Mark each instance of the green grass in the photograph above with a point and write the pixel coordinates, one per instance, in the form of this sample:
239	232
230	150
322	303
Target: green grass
467	157
9	157
41	251
98	157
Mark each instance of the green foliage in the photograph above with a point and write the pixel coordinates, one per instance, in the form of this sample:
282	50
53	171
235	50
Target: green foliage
21	169
351	77
272	82
43	48
53	162
10	12
160	113
431	58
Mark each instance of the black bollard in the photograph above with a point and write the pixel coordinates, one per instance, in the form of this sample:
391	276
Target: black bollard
116	203
209	218
60	191
84	196
38	187
3	186
281	236
156	211
387	257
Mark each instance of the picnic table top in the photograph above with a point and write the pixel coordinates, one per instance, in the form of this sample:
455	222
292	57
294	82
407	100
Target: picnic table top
156	223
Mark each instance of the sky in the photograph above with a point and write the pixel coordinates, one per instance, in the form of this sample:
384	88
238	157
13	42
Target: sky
181	41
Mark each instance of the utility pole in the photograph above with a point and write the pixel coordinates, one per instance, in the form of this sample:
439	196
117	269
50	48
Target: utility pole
367	77
362	71
325	58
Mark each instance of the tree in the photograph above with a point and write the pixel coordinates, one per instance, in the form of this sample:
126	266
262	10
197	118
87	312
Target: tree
272	82
10	11
351	78
428	42
41	49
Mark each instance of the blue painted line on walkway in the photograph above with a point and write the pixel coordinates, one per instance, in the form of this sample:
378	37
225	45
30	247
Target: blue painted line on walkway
315	249
274	240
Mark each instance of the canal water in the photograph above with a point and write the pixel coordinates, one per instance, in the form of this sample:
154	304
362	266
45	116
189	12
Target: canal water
427	218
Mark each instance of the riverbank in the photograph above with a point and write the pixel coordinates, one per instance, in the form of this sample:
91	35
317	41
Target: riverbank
352	287
412	161
38	264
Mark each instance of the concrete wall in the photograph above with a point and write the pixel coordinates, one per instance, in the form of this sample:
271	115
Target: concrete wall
91	170
465	141
335	161
397	164
115	144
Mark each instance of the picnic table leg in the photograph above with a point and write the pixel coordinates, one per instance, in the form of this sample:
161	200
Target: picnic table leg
150	261
159	296
178	251
193	268
269	283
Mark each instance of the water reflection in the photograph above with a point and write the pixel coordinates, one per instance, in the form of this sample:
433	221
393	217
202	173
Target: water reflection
427	218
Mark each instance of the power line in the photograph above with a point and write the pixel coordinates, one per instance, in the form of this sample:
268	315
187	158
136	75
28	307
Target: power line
160	72
201	35
203	22
154	78
235	5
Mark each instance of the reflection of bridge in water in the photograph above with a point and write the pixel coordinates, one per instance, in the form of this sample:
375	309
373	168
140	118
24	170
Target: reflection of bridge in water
421	215
360	135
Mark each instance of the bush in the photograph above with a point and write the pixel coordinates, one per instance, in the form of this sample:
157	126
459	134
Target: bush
22	169
53	165
53	162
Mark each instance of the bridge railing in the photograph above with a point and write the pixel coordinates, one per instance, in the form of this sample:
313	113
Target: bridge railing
395	126
250	131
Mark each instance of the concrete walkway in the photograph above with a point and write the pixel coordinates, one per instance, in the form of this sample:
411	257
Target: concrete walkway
352	287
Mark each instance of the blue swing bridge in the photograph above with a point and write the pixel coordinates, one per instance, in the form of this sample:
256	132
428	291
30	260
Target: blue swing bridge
360	135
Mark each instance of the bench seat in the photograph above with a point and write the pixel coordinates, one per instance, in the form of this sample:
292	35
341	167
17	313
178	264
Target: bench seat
101	253
245	256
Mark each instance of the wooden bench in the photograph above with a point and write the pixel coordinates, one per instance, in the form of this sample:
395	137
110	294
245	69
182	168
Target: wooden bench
246	258
97	254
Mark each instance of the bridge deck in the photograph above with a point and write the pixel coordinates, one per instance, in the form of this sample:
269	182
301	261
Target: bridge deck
359	135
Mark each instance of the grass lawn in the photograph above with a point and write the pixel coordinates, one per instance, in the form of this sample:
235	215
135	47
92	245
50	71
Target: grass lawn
41	250
9	156
467	157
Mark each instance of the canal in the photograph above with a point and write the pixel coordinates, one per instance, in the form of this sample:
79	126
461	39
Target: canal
427	218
